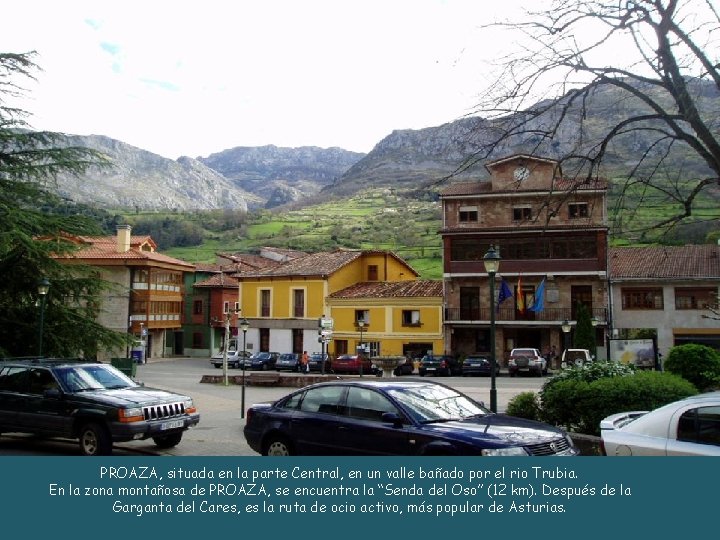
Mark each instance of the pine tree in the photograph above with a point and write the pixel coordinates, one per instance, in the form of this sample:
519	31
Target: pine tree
29	162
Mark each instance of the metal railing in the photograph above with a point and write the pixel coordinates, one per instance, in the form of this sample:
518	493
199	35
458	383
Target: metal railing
555	314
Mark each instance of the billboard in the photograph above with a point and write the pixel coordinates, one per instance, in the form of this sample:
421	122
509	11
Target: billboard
640	352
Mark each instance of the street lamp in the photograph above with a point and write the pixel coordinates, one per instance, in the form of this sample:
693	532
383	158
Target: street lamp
42	289
243	325
492	265
566	333
361	326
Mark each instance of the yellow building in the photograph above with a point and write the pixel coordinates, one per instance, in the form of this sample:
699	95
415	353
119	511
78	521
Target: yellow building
388	319
283	304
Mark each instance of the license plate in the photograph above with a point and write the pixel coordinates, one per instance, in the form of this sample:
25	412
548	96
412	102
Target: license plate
430	369
172	424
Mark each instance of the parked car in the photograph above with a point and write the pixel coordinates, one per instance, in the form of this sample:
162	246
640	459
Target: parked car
688	427
288	362
394	417
351	364
575	357
234	359
316	362
479	364
407	367
439	365
527	360
263	360
92	402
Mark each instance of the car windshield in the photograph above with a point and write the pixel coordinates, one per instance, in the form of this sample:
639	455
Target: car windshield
262	356
94	377
435	403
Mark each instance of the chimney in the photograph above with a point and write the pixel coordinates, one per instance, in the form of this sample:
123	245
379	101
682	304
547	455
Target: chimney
123	238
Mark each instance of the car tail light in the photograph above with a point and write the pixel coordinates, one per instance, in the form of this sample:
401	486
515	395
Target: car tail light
248	415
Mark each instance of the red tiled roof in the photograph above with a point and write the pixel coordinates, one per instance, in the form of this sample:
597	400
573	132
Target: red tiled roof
98	248
665	262
318	264
219	280
394	289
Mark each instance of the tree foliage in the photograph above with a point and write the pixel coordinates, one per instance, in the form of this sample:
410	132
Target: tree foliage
584	337
29	160
649	67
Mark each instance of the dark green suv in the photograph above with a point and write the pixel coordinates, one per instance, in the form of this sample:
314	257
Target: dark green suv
89	401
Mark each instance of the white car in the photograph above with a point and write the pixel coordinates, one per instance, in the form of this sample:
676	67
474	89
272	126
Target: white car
234	359
689	427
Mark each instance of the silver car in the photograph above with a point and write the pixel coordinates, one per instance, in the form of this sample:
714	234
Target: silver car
688	427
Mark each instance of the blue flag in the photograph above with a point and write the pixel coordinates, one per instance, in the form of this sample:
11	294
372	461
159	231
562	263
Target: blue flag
503	294
539	302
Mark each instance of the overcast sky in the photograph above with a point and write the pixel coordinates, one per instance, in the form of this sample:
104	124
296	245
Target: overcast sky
193	78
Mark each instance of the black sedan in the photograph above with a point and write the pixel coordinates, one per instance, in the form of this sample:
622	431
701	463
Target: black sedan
394	417
478	364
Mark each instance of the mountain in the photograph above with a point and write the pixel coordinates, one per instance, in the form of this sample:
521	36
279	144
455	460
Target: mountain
140	179
420	158
282	175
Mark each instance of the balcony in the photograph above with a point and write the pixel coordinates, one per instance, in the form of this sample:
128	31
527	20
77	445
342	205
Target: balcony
549	315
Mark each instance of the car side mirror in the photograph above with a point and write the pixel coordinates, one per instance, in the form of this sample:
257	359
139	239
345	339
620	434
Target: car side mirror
392	418
52	393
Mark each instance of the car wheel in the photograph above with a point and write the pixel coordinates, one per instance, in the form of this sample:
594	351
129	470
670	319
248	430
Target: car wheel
168	441
217	366
95	440
422	373
277	445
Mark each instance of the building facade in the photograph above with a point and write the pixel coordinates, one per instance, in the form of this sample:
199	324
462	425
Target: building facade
388	319
552	236
283	304
666	289
147	295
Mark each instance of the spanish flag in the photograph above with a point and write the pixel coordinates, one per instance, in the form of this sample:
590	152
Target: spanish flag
519	297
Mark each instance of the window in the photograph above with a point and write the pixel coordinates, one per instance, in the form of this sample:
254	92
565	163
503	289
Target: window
468	214
197	307
410	317
701	425
298	303
522	213
695	297
362	315
265	303
642	298
323	400
341	346
226	307
366	404
469	303
578	210
372	272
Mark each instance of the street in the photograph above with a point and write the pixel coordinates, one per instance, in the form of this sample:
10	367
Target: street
219	432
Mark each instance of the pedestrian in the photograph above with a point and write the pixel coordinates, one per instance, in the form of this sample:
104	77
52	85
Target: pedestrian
305	362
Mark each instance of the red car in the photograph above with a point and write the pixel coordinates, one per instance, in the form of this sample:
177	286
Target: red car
352	363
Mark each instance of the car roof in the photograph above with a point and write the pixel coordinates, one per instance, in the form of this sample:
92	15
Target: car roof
50	362
388	384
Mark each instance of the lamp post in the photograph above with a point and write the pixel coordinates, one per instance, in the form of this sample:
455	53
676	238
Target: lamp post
594	322
361	326
566	334
225	348
243	325
42	289
492	265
